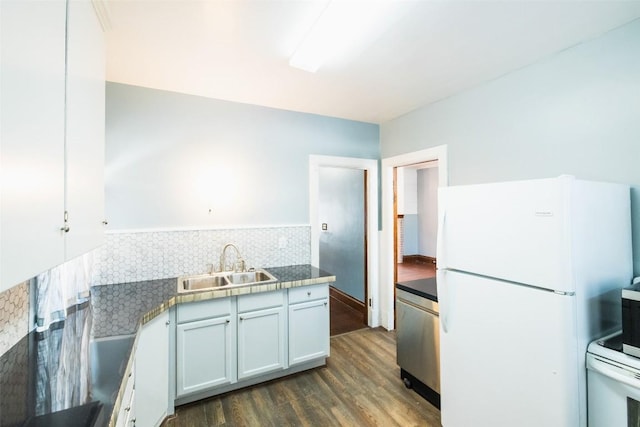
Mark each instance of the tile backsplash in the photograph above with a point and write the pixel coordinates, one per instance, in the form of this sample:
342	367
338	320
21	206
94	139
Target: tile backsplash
149	255
14	315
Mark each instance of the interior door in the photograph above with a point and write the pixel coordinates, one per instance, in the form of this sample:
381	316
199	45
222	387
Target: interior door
342	212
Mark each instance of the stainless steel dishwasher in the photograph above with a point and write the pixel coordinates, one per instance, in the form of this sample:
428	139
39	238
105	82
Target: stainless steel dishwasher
418	337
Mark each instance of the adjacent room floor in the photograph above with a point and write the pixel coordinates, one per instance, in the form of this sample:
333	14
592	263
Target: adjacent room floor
360	386
345	318
415	270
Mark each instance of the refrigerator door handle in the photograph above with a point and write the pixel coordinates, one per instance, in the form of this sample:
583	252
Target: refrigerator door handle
443	296
443	299
440	257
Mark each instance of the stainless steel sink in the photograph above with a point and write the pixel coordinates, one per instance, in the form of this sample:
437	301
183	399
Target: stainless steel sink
204	281
227	279
250	277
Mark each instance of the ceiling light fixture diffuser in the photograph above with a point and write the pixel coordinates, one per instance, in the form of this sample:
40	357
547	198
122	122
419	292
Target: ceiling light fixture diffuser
342	26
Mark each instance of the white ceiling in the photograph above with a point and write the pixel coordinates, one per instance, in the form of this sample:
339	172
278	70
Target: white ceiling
424	51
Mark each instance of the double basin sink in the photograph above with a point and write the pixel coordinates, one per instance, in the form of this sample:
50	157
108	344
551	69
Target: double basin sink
223	280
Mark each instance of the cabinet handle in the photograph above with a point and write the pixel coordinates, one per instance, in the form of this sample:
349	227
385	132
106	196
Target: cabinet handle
229	321
308	294
241	318
168	322
65	227
325	304
128	408
105	222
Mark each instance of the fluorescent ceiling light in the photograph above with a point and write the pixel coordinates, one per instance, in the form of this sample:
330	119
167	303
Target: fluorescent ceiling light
343	26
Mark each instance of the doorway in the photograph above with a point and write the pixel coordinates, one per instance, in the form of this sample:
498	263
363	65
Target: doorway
342	214
365	172
387	246
416	207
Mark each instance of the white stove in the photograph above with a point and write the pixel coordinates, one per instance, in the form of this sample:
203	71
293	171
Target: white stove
613	381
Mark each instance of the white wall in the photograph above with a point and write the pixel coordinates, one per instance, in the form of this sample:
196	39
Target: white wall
427	211
410	190
577	112
171	158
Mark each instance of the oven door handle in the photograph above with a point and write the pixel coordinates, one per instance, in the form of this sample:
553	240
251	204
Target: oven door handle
612	372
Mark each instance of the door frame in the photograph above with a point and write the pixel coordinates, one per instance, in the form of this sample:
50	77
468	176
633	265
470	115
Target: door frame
371	238
387	237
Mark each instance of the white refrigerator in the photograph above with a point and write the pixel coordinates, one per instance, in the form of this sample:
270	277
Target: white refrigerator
528	273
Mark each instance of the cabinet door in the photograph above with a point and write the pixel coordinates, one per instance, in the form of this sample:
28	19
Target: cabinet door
203	356
85	121
261	342
32	82
127	407
308	331
152	372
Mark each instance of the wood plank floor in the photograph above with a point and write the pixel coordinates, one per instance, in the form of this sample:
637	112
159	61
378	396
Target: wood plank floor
360	386
344	318
414	271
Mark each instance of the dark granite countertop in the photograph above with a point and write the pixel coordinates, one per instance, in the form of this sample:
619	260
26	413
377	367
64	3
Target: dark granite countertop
91	351
426	288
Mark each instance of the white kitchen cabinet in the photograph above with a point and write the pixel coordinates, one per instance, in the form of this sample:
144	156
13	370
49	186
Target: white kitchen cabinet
152	372
32	84
228	343
39	180
205	345
127	413
85	129
262	339
308	323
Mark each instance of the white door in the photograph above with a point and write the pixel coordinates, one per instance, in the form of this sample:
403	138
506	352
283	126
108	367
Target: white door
261	342
152	372
32	84
203	355
507	354
85	116
508	231
308	331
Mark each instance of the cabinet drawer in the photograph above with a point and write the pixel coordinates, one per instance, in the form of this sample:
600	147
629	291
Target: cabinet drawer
203	309
260	301
308	293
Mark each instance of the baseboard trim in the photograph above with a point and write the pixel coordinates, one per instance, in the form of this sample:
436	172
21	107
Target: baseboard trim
418	259
347	299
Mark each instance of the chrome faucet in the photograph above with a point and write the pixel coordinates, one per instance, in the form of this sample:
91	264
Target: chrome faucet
239	265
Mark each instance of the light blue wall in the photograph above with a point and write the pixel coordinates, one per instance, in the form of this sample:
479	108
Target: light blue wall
171	157
410	235
576	112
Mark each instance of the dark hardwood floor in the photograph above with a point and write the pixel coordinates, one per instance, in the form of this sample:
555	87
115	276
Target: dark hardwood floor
360	386
414	271
344	318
